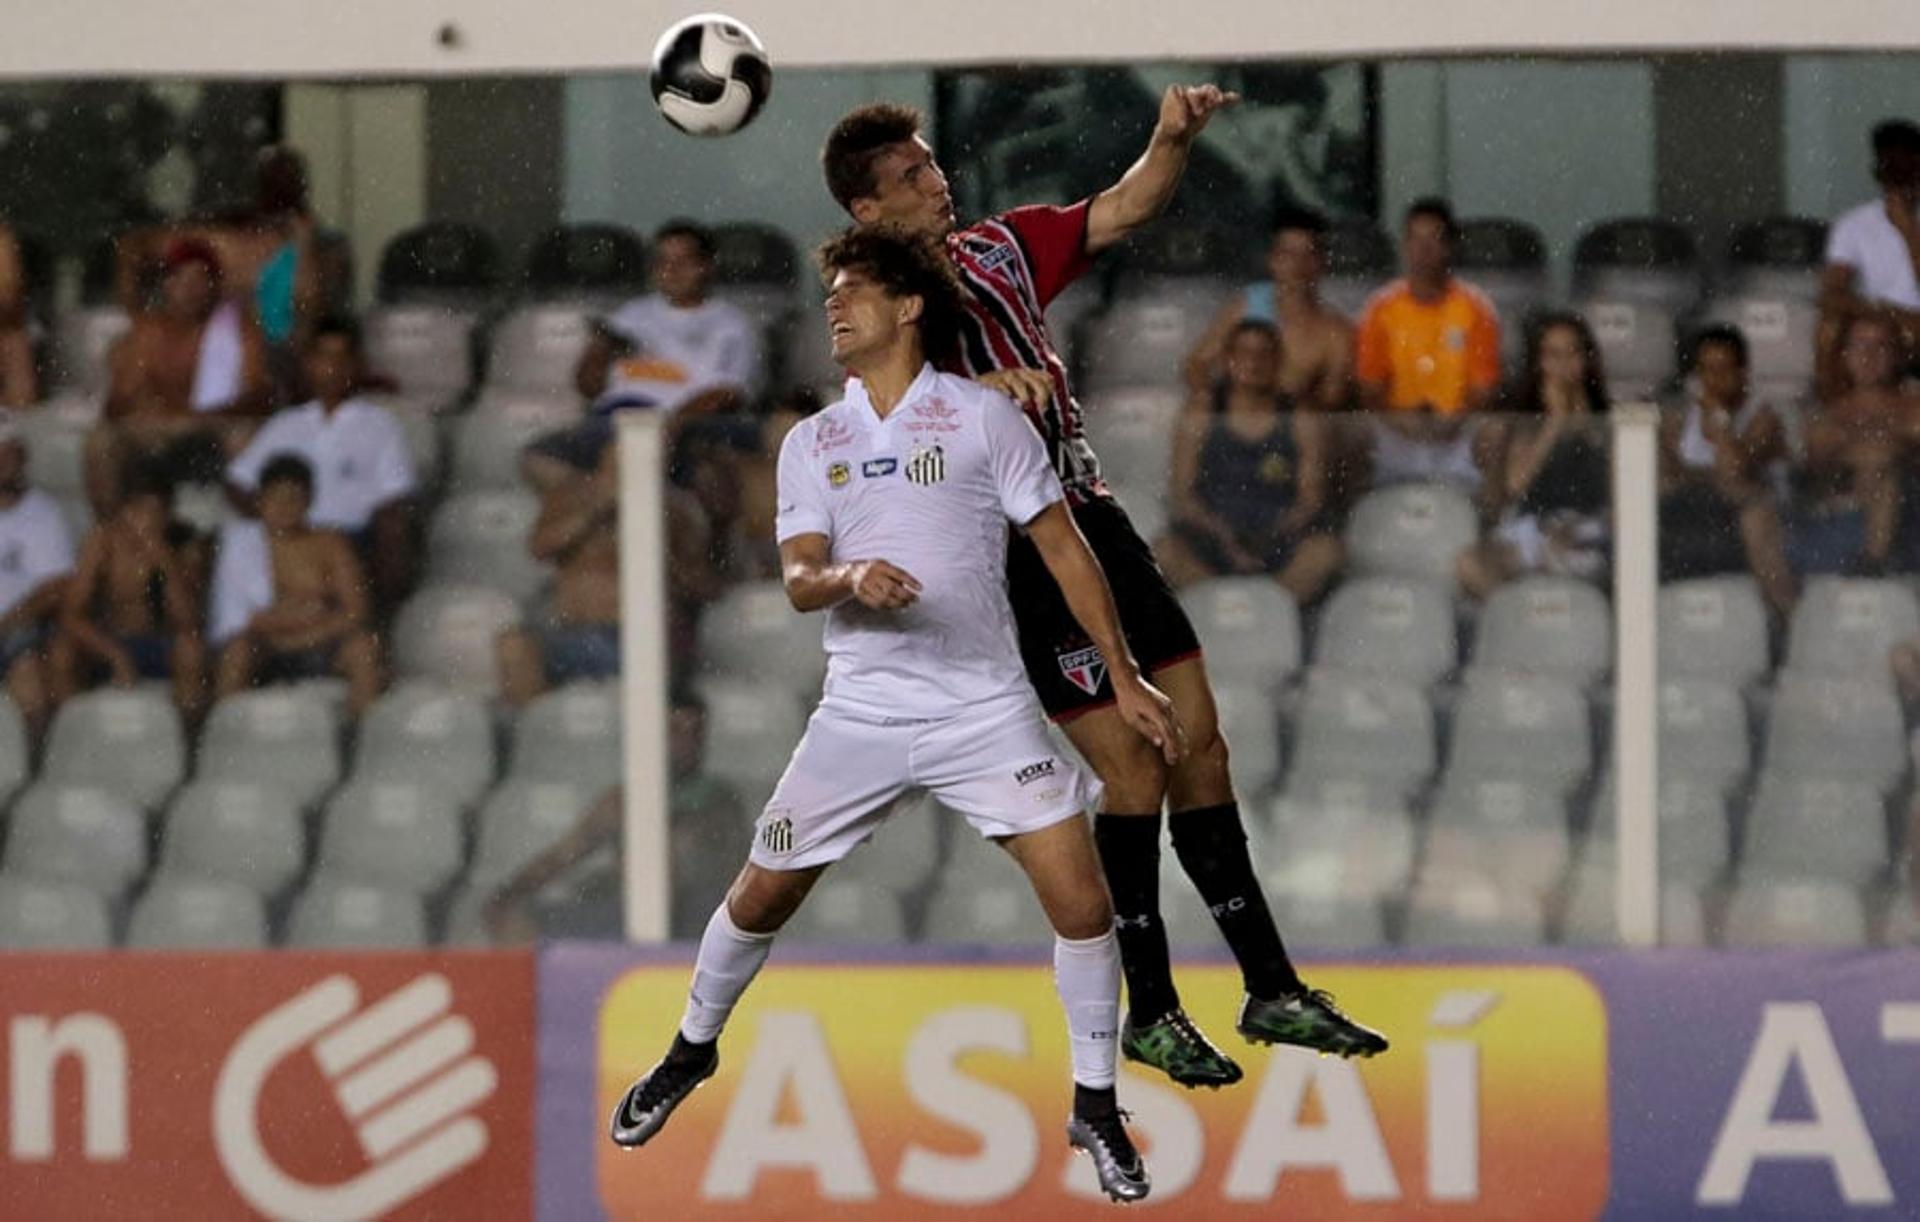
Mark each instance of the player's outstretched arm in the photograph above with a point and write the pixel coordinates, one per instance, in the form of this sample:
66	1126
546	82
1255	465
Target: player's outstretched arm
1065	552
1145	189
815	581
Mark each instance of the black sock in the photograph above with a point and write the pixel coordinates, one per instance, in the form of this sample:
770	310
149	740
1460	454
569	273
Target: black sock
1092	1102
684	1049
1213	849
1130	852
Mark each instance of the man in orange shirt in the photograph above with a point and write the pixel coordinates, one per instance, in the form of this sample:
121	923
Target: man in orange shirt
1427	356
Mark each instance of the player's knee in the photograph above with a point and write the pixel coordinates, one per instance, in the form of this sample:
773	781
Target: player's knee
1087	913
761	901
1135	778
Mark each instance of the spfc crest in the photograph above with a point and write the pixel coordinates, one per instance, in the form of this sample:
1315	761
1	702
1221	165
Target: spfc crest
1085	669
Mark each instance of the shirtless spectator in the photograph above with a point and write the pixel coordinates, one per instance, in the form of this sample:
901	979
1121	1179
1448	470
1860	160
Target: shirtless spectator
1857	446
185	378
577	634
1316	340
289	601
1873	253
36	557
362	465
19	387
132	610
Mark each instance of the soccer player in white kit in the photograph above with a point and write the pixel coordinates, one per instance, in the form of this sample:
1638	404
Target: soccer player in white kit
894	508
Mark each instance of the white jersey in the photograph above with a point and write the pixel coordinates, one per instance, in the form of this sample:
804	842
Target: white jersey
680	352
1865	240
930	488
34	547
359	456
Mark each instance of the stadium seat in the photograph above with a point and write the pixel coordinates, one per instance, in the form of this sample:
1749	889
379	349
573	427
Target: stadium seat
480	539
1713	628
841	909
447	634
14	760
1530	728
335	915
398	834
465	924
536	347
488	439
129	742
1360	259
1589	918
279	737
51	914
809	356
421	731
1249	717
600	263
752	632
1779	329
751	731
1069	315
1131	430
1142	339
1793	911
1472	910
427	349
418	419
1365	728
520	820
1845	628
197	914
570	734
83	341
1507	260
756	268
1516	829
1694	826
1413	530
1648	259
1704	736
86	836
56	439
1250	626
1817	828
981	896
1395	627
1835	729
447	263
1329	847
1778	256
245	832
1547	625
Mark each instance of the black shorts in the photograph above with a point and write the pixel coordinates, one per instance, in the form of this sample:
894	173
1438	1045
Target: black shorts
1062	663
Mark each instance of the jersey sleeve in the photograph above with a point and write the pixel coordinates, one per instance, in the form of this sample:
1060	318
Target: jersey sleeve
244	471
1055	240
1483	348
395	476
1022	475
1372	351
49	550
802	507
1844	247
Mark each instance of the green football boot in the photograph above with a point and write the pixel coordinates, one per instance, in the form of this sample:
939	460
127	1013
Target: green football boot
1307	1018
1175	1047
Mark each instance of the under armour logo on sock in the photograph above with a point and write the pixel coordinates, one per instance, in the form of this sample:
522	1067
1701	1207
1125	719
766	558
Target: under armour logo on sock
1143	921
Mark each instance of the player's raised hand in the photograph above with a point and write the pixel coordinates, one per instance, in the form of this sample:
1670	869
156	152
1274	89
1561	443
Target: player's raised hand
1030	388
883	586
1147	709
1185	109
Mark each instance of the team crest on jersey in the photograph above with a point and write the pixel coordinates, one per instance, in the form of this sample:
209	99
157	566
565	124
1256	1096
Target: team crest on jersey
927	464
1084	668
874	468
838	474
935	409
996	258
776	835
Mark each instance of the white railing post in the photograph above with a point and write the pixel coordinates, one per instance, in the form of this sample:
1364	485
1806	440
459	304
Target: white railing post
1636	707
643	676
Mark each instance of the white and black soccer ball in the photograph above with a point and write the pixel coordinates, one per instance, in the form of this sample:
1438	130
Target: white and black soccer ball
711	76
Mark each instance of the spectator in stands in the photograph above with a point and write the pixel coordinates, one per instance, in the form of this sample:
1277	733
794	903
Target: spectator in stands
1873	252
1249	478
1718	509
576	635
36	559
676	350
755	467
289	600
363	468
1557	474
1316	341
185	379
1427	356
706	815
133	608
19	385
1850	504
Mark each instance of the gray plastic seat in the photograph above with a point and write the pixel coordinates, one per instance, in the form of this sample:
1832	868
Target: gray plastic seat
1713	628
753	632
1145	334
1845	627
1704	736
129	742
449	634
426	348
87	836
1364	728
14	760
51	914
487	439
1472	910
1251	628
1779	328
1411	530
1589	916
283	737
480	539
1818	828
1547	625
1360	259
1516	829
849	911
83	341
982	896
398	834
1694	828
536	347
1638	340
1250	720
522	819
1838	729
56	437
332	914
1401	627
1521	727
424	732
1131	428
751	731
1794	911
244	831
466	924
1331	850
570	734
198	914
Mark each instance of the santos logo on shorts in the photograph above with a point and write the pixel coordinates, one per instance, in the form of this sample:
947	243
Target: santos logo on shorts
777	835
1084	668
1033	772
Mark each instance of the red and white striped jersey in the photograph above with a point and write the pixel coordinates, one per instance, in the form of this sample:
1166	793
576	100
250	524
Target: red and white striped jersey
1012	265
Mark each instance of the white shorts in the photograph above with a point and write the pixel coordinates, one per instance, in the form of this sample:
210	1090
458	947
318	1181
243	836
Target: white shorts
996	766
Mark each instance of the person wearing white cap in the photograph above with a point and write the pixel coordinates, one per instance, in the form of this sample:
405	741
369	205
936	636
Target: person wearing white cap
36	555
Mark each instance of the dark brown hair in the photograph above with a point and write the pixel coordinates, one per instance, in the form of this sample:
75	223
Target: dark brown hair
905	265
857	139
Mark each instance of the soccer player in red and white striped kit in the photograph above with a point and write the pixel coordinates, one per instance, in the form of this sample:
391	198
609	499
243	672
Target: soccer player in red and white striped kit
879	167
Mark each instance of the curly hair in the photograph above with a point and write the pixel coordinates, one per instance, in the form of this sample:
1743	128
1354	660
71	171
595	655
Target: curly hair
905	265
856	140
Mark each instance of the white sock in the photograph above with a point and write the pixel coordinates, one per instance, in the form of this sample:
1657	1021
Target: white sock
729	959
1087	973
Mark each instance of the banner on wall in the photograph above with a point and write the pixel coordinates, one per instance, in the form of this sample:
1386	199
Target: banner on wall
298	1086
1548	1087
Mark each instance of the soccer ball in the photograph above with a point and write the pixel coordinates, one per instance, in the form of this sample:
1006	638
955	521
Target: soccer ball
710	75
